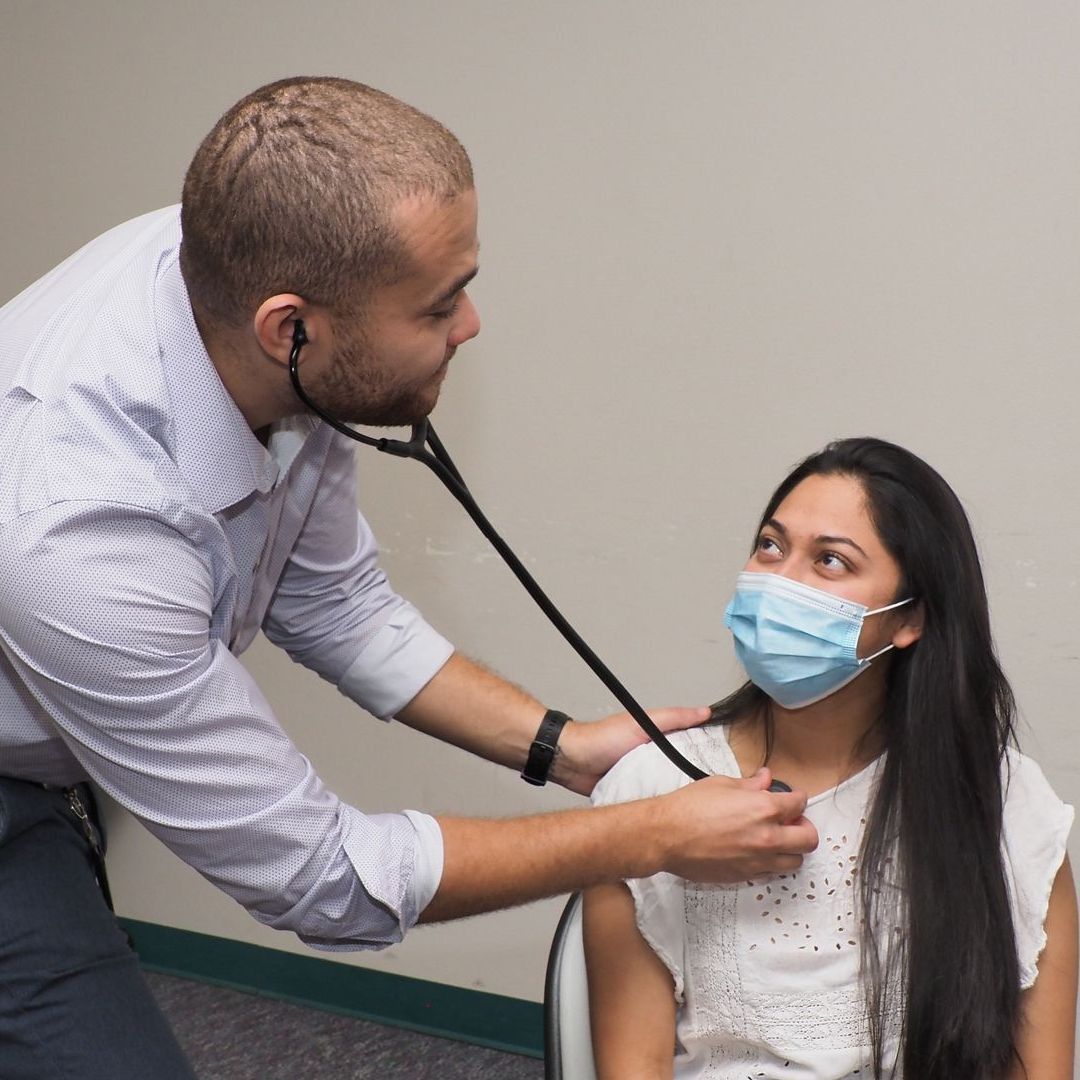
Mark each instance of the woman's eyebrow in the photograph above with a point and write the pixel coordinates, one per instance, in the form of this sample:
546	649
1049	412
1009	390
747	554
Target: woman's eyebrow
841	540
778	526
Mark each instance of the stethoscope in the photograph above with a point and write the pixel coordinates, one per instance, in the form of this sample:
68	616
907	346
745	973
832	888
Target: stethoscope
425	446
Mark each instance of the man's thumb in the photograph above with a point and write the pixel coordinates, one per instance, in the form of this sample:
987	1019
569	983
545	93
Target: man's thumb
760	781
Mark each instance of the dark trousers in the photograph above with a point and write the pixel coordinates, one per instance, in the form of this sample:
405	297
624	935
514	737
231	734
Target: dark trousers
73	1002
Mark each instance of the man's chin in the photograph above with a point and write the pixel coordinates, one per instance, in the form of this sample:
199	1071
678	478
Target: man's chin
400	414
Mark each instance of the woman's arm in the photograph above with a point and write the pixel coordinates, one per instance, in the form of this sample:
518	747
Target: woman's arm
1046	1036
631	993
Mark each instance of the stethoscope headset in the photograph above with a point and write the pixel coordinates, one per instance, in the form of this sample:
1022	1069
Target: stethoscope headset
425	446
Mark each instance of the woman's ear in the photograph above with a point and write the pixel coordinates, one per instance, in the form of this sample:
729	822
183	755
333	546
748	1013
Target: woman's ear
910	628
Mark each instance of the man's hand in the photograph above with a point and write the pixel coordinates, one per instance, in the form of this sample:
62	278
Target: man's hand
724	830
588	750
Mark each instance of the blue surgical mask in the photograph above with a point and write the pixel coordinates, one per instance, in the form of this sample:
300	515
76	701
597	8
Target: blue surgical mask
797	643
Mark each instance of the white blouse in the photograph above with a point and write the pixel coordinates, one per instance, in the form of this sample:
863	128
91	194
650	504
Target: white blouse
766	972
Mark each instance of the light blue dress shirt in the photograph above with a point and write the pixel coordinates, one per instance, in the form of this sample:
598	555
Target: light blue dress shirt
146	536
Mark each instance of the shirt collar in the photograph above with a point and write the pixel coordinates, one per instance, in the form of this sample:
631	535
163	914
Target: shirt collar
213	446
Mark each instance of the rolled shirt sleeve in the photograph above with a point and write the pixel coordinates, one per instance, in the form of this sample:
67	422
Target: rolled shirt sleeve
398	662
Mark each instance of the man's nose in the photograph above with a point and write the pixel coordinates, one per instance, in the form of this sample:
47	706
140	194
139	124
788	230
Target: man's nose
467	322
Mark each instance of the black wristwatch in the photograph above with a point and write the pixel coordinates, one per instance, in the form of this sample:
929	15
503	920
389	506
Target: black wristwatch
544	748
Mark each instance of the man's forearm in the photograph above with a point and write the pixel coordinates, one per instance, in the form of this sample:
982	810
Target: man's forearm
717	829
473	708
497	864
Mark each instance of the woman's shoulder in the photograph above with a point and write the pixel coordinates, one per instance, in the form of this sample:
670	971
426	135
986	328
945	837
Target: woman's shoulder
1035	821
646	771
1027	793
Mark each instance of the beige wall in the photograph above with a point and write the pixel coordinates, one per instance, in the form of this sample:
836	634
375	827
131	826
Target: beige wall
714	236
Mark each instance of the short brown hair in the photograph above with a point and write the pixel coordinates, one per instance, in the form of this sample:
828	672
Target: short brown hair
293	189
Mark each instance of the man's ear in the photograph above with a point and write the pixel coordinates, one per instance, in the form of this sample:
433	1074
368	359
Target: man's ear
911	626
275	323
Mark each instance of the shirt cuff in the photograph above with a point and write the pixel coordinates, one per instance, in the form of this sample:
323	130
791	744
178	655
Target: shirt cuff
428	864
396	664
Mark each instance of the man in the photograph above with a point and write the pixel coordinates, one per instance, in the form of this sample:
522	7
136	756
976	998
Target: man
166	496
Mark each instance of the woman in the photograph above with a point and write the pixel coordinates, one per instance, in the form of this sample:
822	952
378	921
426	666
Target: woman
933	934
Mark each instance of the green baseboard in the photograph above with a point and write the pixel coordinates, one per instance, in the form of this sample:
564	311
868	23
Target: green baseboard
471	1016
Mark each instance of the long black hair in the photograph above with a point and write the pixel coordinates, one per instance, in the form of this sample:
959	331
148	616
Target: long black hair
933	835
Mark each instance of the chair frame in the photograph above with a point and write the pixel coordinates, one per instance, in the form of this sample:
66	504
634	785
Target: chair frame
560	1042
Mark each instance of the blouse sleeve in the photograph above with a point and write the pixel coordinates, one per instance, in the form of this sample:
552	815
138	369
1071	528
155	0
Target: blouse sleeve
1036	827
658	900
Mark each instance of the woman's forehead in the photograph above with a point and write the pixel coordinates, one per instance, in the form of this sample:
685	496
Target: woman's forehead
829	505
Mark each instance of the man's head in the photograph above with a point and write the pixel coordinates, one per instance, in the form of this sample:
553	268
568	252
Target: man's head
294	191
324	200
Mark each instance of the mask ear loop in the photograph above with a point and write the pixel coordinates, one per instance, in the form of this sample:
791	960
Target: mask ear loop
438	461
874	656
878	611
889	607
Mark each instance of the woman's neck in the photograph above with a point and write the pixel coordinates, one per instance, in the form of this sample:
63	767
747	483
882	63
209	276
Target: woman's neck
821	745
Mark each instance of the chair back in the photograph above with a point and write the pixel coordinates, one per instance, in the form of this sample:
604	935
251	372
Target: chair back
568	1051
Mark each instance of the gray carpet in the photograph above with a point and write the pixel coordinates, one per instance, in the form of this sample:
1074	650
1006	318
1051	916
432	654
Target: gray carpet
233	1036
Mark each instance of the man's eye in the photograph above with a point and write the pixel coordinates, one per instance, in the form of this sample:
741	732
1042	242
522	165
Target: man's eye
446	312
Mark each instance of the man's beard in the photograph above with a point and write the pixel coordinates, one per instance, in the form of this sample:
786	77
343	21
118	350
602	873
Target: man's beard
356	389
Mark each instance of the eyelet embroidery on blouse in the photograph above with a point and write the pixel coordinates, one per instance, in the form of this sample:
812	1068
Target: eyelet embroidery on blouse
774	962
819	888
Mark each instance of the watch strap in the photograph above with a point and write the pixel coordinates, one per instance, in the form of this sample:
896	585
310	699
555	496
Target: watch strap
544	748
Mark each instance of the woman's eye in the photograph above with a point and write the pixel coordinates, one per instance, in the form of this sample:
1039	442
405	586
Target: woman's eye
831	561
768	546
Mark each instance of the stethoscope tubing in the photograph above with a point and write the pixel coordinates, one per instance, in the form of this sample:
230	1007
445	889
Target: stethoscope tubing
426	447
